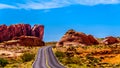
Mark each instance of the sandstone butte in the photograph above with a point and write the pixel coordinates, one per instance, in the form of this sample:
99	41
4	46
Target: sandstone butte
72	37
17	30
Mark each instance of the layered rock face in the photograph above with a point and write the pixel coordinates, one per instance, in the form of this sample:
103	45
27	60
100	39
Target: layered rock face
29	41
75	38
17	30
110	40
38	31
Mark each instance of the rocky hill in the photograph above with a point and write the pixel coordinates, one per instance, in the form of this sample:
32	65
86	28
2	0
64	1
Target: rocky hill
17	30
72	37
110	40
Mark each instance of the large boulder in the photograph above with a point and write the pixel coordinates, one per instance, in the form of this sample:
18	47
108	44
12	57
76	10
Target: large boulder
110	40
72	37
17	30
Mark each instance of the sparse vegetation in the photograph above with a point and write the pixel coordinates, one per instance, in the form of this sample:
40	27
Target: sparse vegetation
95	56
59	54
51	43
27	57
18	56
3	62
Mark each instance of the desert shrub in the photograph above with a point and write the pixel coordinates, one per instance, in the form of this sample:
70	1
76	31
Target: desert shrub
59	54
27	57
73	60
3	62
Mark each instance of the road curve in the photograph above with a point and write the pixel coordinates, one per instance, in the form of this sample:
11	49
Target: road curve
46	59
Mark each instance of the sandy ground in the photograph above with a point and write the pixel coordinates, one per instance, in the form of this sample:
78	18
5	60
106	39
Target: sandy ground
9	53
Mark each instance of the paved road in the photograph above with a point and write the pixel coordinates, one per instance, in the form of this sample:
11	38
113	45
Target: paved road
46	59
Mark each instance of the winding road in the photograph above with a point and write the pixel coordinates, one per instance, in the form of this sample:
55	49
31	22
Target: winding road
46	59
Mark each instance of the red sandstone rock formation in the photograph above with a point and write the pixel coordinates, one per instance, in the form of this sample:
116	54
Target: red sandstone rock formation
75	38
92	40
38	31
24	41
17	30
30	41
110	40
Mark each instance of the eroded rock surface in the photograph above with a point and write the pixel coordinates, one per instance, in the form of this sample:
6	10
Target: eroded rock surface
75	38
110	40
17	30
29	41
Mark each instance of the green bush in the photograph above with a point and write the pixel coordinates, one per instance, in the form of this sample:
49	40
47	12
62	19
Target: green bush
3	62
27	57
59	54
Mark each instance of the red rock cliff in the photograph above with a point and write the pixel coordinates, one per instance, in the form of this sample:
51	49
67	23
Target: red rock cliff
38	31
17	30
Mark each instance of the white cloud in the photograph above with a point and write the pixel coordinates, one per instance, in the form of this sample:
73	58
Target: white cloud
44	5
49	4
4	6
62	3
95	2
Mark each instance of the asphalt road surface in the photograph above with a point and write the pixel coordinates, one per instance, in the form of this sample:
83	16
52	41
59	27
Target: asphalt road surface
46	59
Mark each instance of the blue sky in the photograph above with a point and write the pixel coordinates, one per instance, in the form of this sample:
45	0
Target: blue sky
100	18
